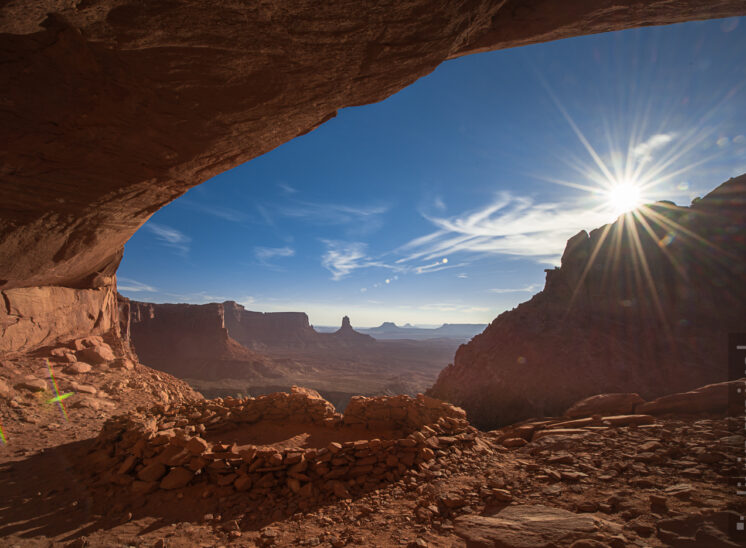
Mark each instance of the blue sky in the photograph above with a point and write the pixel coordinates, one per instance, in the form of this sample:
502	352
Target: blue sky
446	201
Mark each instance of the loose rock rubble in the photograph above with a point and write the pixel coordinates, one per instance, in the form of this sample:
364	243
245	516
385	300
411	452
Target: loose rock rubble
389	472
32	418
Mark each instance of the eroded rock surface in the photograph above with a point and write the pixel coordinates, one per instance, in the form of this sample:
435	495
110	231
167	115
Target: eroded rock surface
638	306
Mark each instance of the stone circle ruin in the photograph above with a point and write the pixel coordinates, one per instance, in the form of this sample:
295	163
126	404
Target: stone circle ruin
292	447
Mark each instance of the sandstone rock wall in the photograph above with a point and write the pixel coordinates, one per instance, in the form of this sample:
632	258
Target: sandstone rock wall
32	317
639	306
260	329
188	341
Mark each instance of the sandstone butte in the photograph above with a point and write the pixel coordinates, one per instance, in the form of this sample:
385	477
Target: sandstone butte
114	108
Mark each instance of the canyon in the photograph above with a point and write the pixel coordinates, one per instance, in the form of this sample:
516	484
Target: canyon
114	108
223	349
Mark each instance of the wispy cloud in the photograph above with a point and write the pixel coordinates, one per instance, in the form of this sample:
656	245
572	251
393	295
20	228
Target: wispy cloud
452	307
128	284
225	213
286	188
342	258
361	220
265	215
510	225
265	255
438	203
199	297
527	289
644	151
171	237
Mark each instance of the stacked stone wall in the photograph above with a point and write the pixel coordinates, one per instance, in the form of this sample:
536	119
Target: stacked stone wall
167	447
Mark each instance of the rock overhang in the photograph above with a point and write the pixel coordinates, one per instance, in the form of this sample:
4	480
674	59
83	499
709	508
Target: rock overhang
116	108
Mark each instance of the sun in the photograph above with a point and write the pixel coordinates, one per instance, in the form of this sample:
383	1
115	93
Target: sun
624	197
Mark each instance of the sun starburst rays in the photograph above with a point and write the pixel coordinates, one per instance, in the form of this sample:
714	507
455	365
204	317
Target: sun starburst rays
641	161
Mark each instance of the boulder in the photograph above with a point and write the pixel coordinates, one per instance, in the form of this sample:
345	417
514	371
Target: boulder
63	354
123	363
531	526
96	355
712	398
605	404
87	342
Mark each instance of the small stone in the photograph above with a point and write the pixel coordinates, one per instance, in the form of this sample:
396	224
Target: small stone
334	447
340	490
84	388
78	368
5	391
242	483
128	465
32	384
152	472
177	478
197	445
587	506
143	487
502	495
658	502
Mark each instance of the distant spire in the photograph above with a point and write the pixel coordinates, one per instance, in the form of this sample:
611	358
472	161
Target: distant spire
346	323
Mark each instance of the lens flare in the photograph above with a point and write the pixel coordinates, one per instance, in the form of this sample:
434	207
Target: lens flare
623	197
59	398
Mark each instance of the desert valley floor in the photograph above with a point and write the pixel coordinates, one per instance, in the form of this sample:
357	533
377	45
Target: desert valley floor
603	476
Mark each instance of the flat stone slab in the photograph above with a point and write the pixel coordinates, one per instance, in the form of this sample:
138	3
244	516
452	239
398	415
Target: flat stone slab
532	526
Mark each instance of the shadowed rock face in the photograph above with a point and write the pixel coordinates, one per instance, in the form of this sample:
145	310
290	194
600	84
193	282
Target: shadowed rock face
113	108
628	311
188	340
261	329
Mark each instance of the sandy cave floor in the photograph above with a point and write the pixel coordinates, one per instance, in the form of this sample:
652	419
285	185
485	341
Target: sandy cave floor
279	435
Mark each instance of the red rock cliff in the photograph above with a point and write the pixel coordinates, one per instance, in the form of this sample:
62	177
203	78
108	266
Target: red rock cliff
188	341
262	329
628	311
